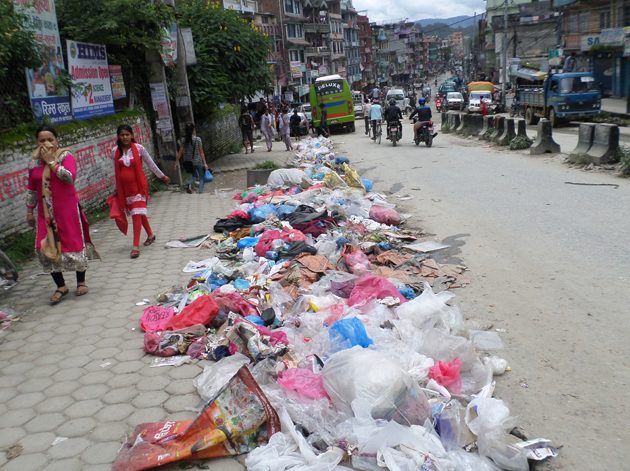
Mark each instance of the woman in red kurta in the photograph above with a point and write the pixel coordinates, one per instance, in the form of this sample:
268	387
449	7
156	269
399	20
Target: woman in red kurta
62	237
132	188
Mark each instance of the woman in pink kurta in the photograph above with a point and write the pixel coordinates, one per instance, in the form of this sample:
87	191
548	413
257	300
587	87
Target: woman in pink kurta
71	232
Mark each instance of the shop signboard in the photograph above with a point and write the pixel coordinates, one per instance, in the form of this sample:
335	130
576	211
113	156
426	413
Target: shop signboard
296	69
49	100
117	82
91	93
588	41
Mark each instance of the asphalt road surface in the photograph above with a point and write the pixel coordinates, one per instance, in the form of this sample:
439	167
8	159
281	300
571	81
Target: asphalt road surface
547	248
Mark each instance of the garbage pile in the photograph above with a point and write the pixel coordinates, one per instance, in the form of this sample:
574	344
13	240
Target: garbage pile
331	341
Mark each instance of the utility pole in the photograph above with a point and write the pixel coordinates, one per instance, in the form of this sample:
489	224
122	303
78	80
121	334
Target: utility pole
504	45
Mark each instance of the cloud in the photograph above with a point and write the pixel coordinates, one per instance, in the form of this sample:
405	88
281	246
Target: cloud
379	10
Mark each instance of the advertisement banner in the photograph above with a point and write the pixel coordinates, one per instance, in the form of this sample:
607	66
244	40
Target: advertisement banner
48	98
296	69
118	84
169	45
91	89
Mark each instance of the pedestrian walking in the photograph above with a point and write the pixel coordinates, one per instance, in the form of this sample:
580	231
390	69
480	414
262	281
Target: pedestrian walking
284	128
132	187
62	234
323	123
246	123
267	127
294	123
366	115
191	150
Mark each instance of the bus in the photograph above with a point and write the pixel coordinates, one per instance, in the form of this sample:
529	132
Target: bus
333	93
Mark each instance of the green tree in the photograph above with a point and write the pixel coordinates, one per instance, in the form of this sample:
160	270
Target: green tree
18	50
231	55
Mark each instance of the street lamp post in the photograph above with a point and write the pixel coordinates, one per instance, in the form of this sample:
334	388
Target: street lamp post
504	45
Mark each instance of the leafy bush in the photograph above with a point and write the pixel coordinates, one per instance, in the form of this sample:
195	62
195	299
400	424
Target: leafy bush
521	142
624	159
266	165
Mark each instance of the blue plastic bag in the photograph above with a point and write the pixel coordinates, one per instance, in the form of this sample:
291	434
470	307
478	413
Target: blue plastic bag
284	210
348	333
262	213
367	184
247	242
207	176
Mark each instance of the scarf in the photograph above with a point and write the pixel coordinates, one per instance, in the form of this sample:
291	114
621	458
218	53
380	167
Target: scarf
51	243
141	178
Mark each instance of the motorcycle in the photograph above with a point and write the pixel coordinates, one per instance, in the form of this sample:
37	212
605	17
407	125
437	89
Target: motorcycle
515	108
438	104
425	133
394	132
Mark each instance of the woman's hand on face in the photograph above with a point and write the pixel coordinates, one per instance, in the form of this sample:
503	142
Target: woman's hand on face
30	219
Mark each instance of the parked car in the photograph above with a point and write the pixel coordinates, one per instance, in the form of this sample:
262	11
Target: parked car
304	121
455	101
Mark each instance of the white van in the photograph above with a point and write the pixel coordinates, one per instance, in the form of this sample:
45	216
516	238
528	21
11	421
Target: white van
398	95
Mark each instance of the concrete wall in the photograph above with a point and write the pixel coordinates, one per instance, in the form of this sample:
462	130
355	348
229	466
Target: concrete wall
91	146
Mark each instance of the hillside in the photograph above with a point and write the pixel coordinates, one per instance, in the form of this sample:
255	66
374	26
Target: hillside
455	21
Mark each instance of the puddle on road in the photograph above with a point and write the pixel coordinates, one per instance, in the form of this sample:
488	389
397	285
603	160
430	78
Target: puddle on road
396	187
451	254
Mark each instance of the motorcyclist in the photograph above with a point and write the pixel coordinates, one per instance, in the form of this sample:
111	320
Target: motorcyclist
394	115
423	113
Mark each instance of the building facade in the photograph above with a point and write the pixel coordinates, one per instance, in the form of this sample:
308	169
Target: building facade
365	50
351	43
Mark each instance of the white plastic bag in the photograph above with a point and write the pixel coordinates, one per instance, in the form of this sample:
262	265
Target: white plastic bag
363	378
288	177
216	375
429	310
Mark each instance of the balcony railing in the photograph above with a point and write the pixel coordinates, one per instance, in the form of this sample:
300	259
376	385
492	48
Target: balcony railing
269	30
316	27
317	51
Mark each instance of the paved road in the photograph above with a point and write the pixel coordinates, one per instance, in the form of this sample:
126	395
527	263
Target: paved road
549	262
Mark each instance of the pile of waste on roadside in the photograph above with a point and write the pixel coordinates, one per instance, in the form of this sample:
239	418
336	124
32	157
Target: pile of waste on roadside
331	338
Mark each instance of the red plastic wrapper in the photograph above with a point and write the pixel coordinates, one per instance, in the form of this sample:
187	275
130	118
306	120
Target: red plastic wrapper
201	311
385	215
373	287
155	318
447	375
172	342
239	419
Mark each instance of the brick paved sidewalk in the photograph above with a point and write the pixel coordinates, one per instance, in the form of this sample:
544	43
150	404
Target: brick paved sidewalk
77	370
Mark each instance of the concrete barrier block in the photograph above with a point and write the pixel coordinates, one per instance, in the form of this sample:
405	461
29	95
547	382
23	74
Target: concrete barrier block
521	127
585	141
460	123
499	127
605	147
544	142
476	123
508	133
488	123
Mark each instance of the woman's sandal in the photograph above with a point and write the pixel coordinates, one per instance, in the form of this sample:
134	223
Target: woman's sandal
58	296
81	289
135	253
149	240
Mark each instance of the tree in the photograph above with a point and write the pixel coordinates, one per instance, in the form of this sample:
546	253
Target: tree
18	50
231	55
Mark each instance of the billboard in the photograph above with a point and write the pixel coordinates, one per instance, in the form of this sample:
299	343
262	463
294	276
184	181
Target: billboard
91	89
49	100
117	81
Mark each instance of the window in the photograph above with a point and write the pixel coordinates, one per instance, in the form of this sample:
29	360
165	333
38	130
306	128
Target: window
626	16
295	30
296	55
293	7
572	23
604	19
265	20
585	26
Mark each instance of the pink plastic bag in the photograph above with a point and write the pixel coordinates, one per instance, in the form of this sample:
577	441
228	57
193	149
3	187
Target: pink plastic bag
447	375
156	318
304	382
373	287
385	215
357	261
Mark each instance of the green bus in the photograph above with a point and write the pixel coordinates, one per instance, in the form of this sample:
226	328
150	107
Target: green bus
333	93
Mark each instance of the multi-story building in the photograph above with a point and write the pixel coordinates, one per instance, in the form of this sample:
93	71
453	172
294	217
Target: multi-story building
365	50
598	33
351	43
398	52
243	6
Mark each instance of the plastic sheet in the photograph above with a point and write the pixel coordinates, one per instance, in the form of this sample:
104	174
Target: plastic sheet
304	382
447	375
370	287
201	311
216	375
348	333
385	215
156	318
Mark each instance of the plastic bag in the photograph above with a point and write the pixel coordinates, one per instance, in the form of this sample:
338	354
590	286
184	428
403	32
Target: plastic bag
357	261
304	382
207	176
367	380
237	420
370	287
451	426
172	342
262	213
352	177
429	310
447	375
288	177
216	375
348	333
367	184
201	311
156	318
384	215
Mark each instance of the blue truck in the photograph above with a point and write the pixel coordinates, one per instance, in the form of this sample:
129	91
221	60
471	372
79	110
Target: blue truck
559	97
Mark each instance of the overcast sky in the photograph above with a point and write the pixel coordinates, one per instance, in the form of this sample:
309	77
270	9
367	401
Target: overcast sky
379	10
